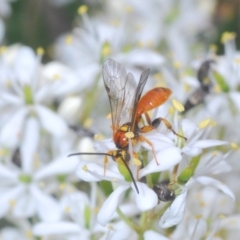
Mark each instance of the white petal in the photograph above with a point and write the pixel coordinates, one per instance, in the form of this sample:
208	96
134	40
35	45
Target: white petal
25	206
151	235
230	222
29	143
55	228
167	158
61	165
217	184
110	205
89	172
9	195
47	207
10	99
52	122
146	199
208	143
11	131
189	128
175	212
192	151
8	175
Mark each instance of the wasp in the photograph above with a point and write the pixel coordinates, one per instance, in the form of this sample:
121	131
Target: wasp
199	95
127	108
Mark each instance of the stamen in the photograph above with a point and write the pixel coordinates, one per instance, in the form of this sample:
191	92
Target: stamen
40	51
82	9
177	105
227	36
205	123
84	168
234	146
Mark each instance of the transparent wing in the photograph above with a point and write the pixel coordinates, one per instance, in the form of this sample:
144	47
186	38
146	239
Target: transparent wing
137	96
121	88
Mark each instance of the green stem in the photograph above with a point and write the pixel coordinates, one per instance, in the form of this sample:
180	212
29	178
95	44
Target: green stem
128	221
145	162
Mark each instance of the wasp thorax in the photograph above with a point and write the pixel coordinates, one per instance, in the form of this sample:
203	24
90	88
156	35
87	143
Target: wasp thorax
120	138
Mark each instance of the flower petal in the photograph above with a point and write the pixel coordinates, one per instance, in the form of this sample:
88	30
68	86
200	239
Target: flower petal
29	143
61	165
47	207
151	235
175	212
217	184
110	205
8	175
55	228
52	122
146	199
89	172
10	134
208	143
167	158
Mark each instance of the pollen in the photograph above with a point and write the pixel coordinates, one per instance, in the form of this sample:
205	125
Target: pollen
205	123
214	154
237	60
40	51
98	137
198	216
217	88
56	76
177	64
3	152
221	216
137	162
88	123
3	49
177	105
129	135
84	168
213	48
29	234
234	146
69	39
227	36
106	49
82	9
186	87
109	116
67	209
62	186
12	203
128	9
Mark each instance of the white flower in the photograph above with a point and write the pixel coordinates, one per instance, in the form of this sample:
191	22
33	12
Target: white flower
23	93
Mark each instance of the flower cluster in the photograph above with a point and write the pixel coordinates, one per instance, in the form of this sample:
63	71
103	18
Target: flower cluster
127	133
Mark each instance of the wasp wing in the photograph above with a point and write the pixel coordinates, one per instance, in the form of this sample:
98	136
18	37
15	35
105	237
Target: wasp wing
121	89
137	96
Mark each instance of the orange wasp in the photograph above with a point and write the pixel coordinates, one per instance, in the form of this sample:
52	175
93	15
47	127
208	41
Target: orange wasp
127	108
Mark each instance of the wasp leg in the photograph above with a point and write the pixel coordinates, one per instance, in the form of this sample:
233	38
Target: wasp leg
157	121
143	139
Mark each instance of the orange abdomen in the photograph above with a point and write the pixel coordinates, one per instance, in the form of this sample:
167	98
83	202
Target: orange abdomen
152	99
120	140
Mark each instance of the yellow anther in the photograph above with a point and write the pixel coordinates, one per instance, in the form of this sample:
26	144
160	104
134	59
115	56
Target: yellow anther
3	152
177	105
204	123
29	234
221	216
106	49
3	49
186	87
198	216
110	227
109	116
237	60
215	153
177	64
88	123
227	36
171	110
217	88
12	203
69	39
84	168
234	146
40	51
114	179
82	9
129	134
213	48
128	9
62	186
56	76
67	209
137	162
98	137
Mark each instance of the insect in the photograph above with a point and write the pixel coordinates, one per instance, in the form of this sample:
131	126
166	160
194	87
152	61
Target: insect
127	108
199	95
164	192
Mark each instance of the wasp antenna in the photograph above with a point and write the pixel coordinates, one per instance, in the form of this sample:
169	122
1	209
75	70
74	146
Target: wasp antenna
129	170
88	153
